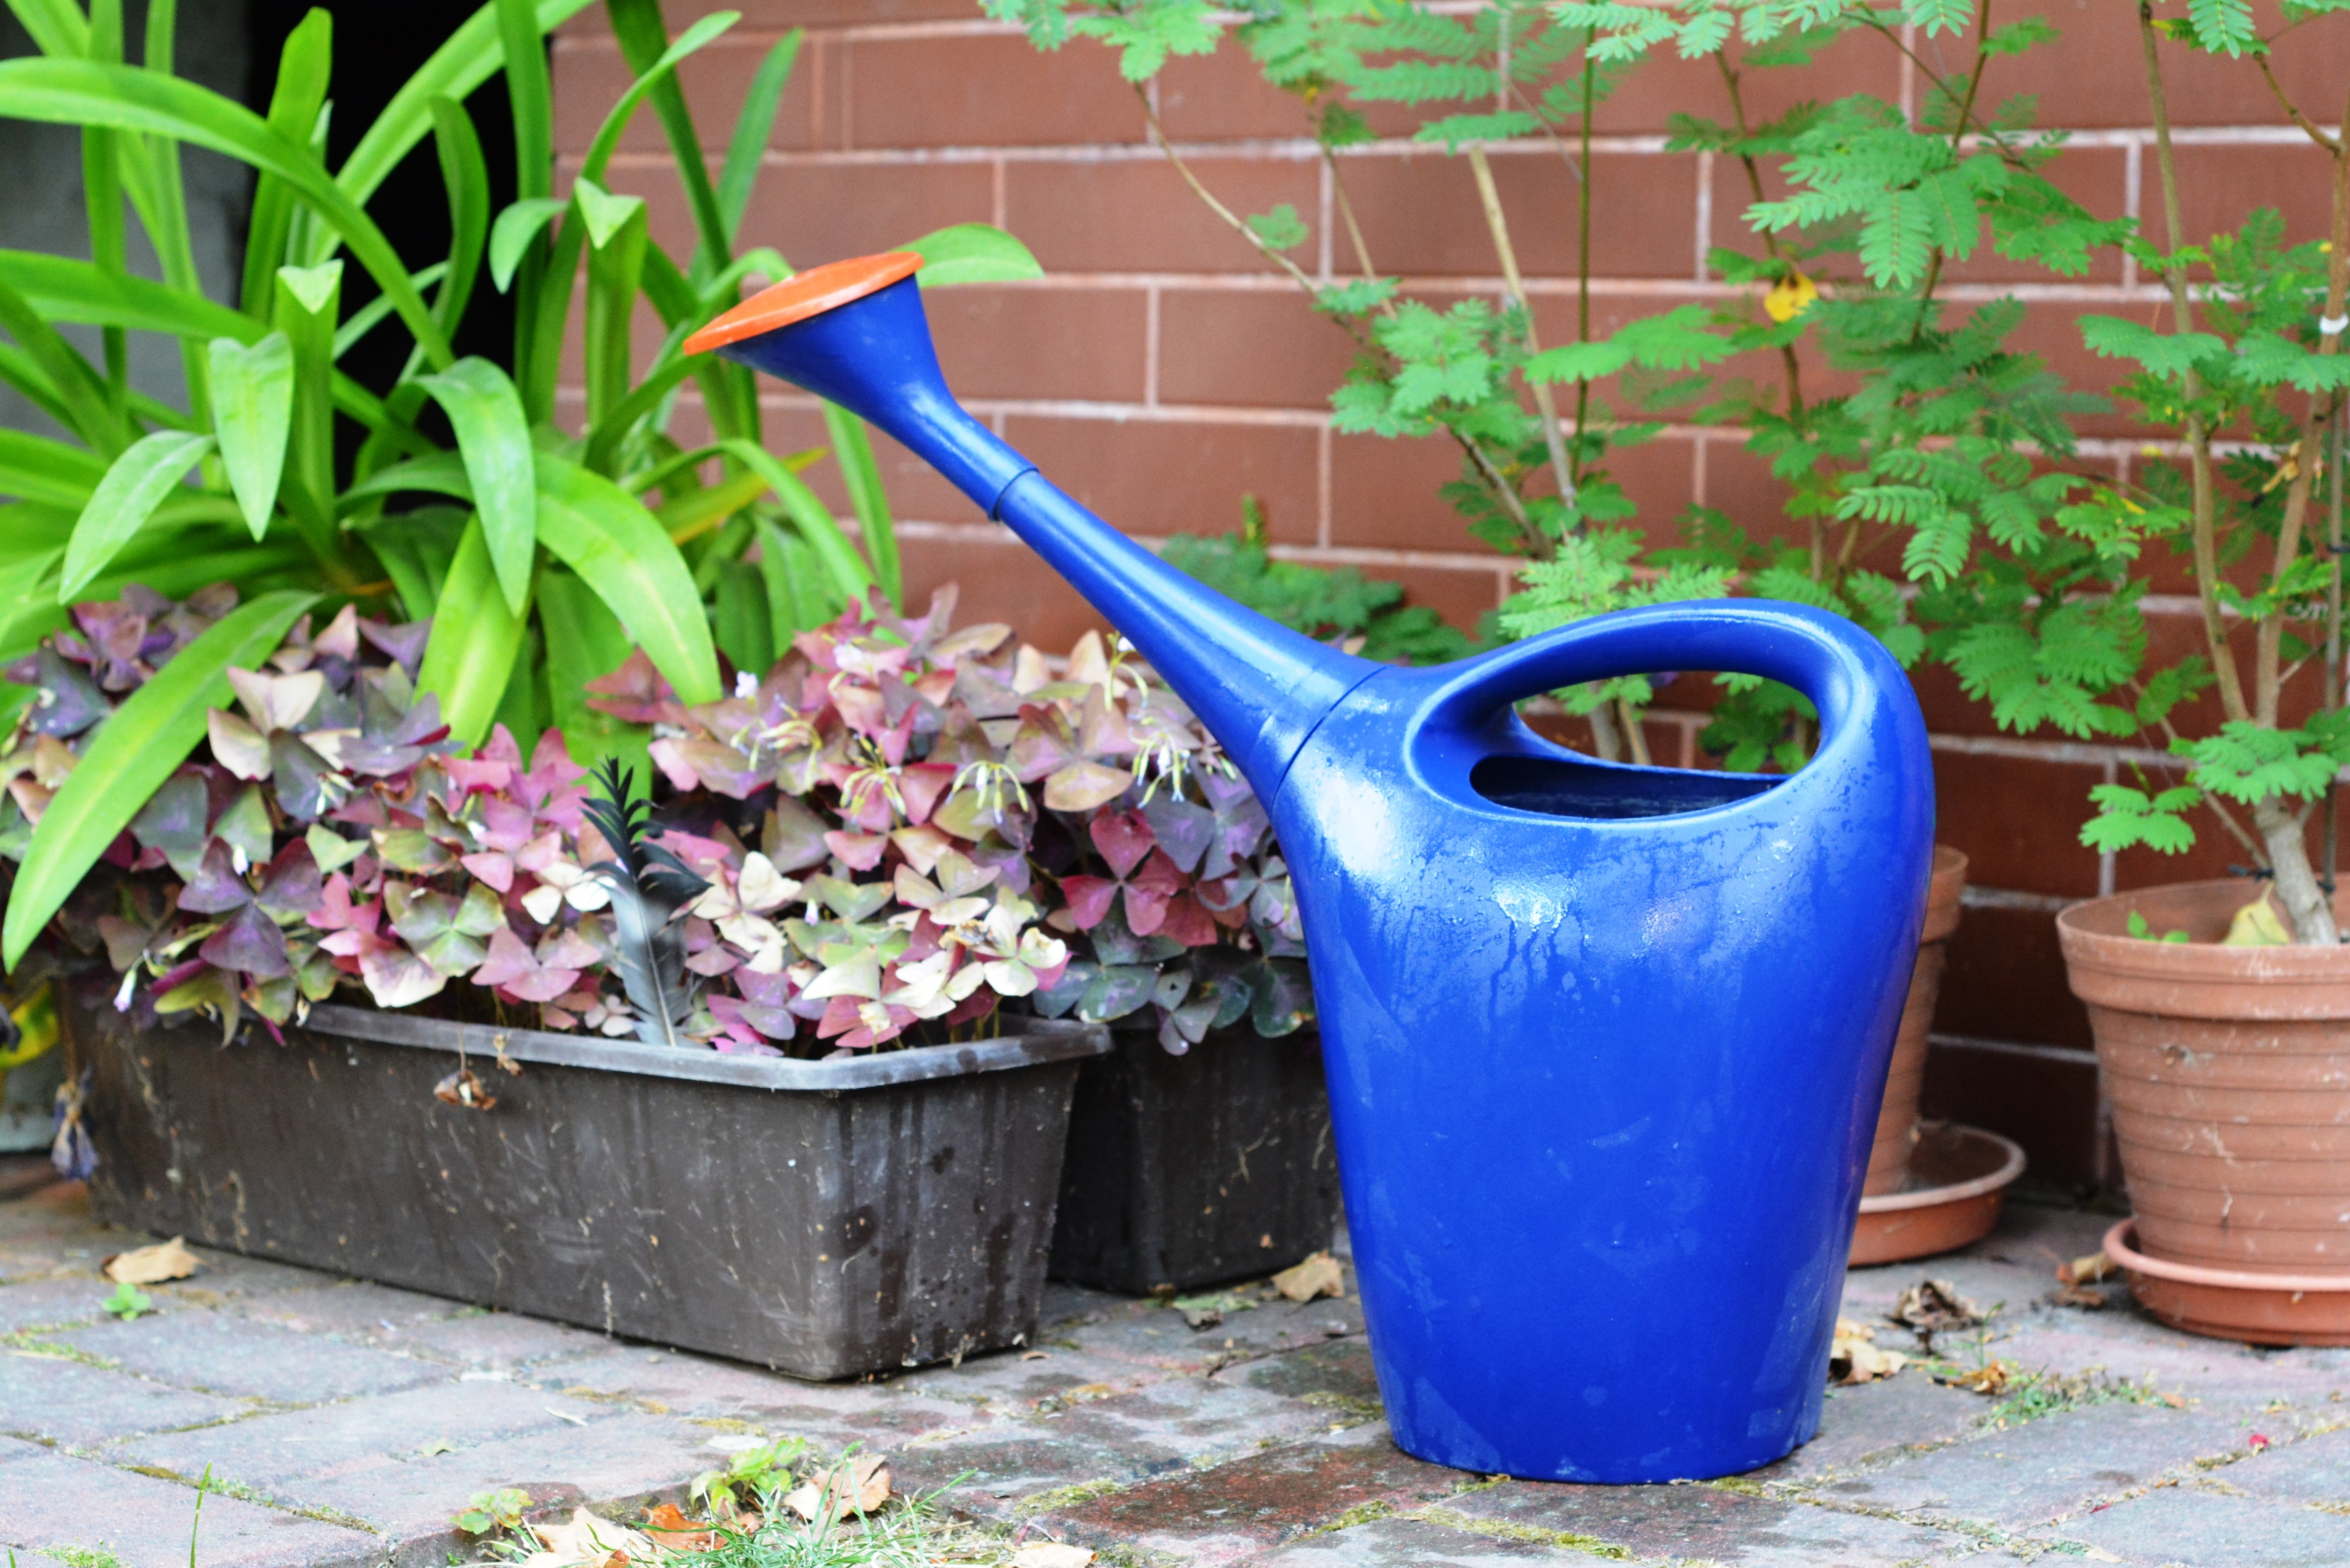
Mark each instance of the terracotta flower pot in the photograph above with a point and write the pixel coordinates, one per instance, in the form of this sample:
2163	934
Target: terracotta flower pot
1896	1119
2229	1069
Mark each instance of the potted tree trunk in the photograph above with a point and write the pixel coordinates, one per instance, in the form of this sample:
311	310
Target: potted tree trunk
2219	1007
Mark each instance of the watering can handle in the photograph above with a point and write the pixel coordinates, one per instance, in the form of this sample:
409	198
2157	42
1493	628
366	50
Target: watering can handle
1840	666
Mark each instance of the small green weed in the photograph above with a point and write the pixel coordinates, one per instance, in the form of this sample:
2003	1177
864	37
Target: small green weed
129	1303
489	1510
752	1474
2145	933
83	1556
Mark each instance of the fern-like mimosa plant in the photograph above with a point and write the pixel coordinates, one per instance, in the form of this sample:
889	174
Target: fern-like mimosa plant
1889	485
2244	364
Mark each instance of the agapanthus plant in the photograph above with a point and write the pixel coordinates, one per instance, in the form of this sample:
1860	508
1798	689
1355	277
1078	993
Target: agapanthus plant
847	853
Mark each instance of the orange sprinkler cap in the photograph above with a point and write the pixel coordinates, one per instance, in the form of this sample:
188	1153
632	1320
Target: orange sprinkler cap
811	292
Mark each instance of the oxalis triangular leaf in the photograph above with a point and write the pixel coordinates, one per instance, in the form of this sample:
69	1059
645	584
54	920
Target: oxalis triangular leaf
253	411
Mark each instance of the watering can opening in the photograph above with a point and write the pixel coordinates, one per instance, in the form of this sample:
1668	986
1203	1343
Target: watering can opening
1567	786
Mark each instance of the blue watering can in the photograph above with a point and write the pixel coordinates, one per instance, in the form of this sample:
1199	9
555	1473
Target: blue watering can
1604	1043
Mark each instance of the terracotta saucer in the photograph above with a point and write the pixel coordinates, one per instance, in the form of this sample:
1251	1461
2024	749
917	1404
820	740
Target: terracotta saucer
1957	1176
2235	1304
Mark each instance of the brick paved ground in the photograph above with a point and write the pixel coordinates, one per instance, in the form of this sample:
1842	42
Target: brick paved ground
312	1400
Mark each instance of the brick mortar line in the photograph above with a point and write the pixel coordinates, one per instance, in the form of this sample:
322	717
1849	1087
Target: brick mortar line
1305	149
1261	416
1624	286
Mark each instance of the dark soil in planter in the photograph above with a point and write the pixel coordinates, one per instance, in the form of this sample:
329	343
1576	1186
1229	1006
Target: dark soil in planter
825	1218
1195	1169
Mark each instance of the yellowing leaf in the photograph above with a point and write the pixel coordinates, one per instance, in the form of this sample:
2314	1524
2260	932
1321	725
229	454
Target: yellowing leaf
2256	926
152	1265
1790	297
1319	1275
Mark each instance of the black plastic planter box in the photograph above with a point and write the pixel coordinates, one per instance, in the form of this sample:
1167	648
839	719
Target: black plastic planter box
825	1218
1195	1169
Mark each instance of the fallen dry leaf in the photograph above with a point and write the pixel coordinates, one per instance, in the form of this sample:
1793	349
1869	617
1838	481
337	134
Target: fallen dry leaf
669	1528
588	1539
1991	1378
1853	1358
437	1446
150	1266
462	1088
2078	1296
1319	1275
2099	1555
1933	1307
2087	1270
1051	1554
859	1484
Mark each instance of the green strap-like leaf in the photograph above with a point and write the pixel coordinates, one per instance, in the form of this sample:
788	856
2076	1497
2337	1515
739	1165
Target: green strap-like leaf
75	385
253	411
753	126
530	93
585	641
22	372
500	466
472	55
123	502
511	236
438	473
28	599
853	450
801	595
132	753
643	38
466	173
369	317
56	26
39	469
470	657
81	92
304	66
821	531
620	550
973	253
615	122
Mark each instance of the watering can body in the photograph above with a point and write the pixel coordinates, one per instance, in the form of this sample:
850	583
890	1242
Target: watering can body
1603	1043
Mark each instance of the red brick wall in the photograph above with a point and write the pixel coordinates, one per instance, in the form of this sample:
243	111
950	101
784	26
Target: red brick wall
1162	368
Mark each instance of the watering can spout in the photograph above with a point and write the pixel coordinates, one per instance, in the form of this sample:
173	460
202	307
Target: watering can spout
854	333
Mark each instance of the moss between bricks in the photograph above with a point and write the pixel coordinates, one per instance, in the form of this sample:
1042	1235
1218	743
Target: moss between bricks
244	1493
31	1343
84	1556
1504	1530
1063	1497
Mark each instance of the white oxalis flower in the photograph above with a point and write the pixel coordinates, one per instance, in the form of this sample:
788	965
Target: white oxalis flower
932	988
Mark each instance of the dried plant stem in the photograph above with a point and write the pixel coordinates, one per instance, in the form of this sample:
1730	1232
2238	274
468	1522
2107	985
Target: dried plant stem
2198	440
1499	226
1787	359
1505	494
2280	823
1347	212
